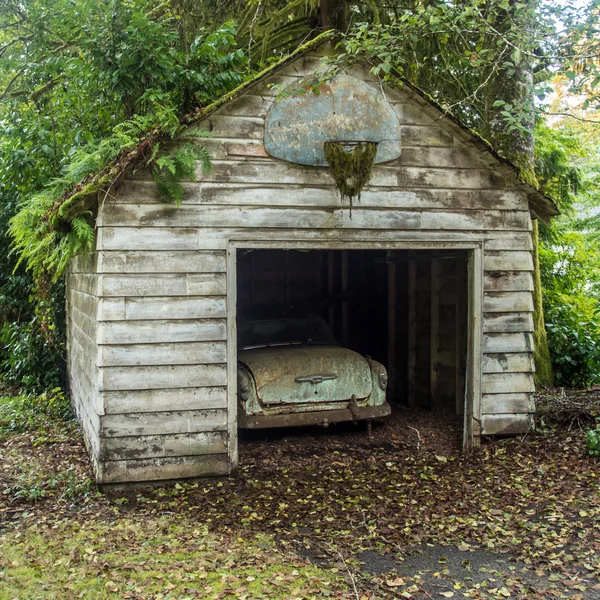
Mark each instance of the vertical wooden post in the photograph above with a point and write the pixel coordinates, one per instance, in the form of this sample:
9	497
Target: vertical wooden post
331	289
412	332
318	271
345	304
391	353
232	404
434	366
472	411
287	278
460	297
252	281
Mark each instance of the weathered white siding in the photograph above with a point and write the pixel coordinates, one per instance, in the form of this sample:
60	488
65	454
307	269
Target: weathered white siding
156	384
82	349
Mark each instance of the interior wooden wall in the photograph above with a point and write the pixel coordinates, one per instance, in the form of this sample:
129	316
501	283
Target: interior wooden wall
407	310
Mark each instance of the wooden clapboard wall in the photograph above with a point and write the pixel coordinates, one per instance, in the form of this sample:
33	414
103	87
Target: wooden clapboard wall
82	300
154	399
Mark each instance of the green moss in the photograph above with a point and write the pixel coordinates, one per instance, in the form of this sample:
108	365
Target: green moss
351	169
204	112
541	352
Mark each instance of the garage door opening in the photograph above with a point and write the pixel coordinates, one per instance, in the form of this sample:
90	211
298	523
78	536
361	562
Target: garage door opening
406	309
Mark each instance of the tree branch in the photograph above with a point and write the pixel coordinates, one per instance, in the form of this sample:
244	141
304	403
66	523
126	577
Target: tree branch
570	116
6	91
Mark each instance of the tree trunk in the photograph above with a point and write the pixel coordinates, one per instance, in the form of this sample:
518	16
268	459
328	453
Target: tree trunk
517	145
334	15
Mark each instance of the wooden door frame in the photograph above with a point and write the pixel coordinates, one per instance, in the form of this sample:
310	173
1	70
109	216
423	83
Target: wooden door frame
474	249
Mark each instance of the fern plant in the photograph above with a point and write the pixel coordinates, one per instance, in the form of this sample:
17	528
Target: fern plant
170	169
56	224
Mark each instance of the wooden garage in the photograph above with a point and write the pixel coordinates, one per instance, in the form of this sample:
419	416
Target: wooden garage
430	272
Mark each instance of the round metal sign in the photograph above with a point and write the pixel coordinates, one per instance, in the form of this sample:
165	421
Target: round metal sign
346	109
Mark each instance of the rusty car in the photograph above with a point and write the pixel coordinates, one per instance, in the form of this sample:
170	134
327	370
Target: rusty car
291	372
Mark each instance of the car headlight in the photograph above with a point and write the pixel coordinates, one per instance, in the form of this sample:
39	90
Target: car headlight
383	379
243	385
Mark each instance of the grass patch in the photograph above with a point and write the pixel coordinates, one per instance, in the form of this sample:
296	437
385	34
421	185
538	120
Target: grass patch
40	450
162	557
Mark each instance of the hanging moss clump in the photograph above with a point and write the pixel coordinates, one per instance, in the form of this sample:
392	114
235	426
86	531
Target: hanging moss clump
351	165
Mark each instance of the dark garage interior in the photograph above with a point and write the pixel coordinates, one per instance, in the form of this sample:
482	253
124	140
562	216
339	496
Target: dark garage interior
404	308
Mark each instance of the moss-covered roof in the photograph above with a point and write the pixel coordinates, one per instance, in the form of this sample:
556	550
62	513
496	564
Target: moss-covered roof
541	206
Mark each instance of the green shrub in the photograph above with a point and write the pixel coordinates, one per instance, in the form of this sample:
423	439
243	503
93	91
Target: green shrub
574	342
19	414
27	360
593	440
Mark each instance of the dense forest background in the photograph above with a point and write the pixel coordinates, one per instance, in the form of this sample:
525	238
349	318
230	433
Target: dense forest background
89	90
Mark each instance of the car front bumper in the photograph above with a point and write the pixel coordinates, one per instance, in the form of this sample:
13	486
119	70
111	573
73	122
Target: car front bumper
320	417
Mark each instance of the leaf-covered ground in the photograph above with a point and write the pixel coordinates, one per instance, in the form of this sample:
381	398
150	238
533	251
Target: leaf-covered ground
313	514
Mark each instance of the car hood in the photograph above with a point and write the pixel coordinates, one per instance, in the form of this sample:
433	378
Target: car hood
307	374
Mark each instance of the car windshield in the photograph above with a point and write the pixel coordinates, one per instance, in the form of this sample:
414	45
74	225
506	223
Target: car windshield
281	332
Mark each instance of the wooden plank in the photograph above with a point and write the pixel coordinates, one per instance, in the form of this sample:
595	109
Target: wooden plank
223	126
508	281
507	403
424	135
83	263
509	322
434	336
507	342
248	105
517	362
160	376
175	399
391	327
216	238
507	261
508	241
85	303
226	149
507	383
345	317
440	157
408	113
152	261
412	332
506	424
162	307
158	446
312	195
163	423
331	288
78	336
246	149
507	302
181	467
308	66
267	88
461	298
474	350
290	218
283	173
83	283
148	238
84	363
151	332
183	353
84	322
232	380
159	284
